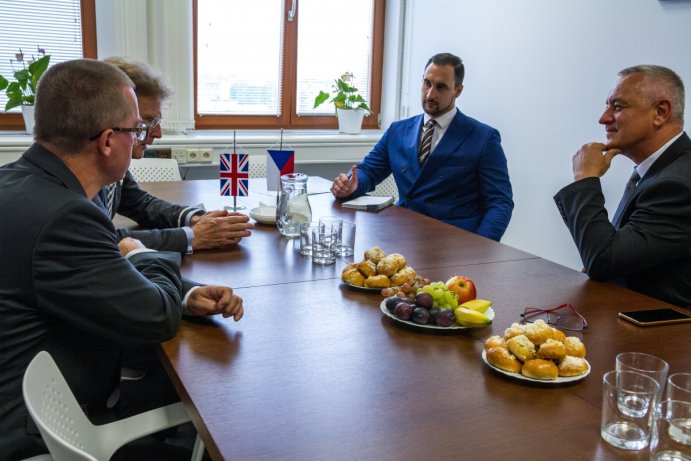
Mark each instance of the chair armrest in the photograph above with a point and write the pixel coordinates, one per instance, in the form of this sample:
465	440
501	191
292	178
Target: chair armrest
126	430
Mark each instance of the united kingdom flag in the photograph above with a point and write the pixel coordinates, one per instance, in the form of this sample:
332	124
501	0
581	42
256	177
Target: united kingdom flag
234	173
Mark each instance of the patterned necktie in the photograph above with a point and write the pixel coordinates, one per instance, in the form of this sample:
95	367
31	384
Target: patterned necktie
628	193
426	141
110	192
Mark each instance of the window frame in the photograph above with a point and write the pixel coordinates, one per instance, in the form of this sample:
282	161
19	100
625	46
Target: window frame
289	118
15	121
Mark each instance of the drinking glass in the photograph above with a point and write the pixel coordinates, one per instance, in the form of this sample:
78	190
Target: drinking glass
628	403
331	222
324	243
346	245
647	364
679	387
671	435
306	237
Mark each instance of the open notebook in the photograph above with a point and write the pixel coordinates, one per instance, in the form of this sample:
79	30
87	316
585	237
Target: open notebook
369	203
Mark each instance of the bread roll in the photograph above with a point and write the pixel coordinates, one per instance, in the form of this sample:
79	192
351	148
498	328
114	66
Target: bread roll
377	281
572	366
387	266
368	268
375	254
558	335
574	347
551	350
514	330
521	347
501	358
401	277
353	276
540	369
495	341
538	332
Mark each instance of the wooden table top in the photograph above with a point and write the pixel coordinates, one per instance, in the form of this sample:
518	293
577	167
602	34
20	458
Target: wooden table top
314	371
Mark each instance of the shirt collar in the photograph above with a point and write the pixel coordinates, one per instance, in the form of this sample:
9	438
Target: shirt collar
643	167
443	120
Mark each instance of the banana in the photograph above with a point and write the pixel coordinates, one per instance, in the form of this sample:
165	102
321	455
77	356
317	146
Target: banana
480	305
469	317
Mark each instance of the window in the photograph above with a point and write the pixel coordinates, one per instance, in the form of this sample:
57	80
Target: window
65	29
260	64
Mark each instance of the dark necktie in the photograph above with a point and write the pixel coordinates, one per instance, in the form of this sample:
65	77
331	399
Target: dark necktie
110	189
628	193
426	141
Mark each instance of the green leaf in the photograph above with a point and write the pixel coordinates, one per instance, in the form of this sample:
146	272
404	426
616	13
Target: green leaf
3	82
13	102
14	90
22	76
321	97
39	66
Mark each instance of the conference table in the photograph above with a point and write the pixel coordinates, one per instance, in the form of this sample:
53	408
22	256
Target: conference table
315	371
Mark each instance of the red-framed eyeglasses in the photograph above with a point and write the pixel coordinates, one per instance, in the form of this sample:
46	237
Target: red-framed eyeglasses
571	320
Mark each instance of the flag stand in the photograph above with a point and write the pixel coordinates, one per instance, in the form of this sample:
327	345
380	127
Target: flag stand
235	206
278	189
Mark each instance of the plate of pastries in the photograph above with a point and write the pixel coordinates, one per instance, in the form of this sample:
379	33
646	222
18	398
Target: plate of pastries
378	270
537	352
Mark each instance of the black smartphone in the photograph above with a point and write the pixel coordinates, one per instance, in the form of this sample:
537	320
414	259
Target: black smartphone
650	317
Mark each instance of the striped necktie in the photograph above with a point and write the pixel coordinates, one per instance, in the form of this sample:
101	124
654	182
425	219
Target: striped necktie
426	142
110	192
628	193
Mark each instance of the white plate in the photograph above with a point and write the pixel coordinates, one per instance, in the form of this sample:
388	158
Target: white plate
455	326
363	288
262	218
520	377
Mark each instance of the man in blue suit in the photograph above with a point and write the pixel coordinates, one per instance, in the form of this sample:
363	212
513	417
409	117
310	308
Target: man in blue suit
456	172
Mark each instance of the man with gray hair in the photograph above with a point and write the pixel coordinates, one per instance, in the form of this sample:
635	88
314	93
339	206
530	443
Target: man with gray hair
169	227
647	245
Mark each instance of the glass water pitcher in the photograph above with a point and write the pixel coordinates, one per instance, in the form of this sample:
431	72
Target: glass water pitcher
293	205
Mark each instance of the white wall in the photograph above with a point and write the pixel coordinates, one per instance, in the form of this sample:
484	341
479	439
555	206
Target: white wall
540	71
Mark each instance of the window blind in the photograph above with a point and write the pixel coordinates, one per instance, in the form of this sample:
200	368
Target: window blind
27	25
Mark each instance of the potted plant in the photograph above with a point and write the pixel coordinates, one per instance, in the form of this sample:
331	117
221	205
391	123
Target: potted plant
350	106
22	91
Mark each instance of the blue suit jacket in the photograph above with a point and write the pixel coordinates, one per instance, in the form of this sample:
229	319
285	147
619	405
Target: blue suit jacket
465	181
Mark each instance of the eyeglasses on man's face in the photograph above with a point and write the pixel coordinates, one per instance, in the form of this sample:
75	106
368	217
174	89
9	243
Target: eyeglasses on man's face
140	132
564	316
153	123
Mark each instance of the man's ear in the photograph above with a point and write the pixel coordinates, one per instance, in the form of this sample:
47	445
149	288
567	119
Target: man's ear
459	89
104	142
663	111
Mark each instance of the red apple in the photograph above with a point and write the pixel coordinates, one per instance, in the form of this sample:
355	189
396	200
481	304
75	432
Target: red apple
463	287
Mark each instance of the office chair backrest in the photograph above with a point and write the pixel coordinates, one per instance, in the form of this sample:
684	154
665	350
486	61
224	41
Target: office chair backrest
385	188
54	409
155	169
67	432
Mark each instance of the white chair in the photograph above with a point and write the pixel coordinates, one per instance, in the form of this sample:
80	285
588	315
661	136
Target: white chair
155	169
257	166
386	188
67	432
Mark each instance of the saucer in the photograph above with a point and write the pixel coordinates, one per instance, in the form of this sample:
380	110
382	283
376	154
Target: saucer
264	215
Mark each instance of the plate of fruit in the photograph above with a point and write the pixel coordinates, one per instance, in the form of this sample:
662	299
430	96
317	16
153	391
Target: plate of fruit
435	306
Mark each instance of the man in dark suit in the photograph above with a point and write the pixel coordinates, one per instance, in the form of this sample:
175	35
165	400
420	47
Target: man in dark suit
446	165
647	246
66	284
169	227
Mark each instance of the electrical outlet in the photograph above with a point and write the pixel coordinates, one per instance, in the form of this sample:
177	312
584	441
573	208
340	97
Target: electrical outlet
206	155
193	155
180	154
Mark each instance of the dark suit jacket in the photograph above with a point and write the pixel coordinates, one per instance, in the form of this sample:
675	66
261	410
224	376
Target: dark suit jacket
651	251
162	219
465	181
65	288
